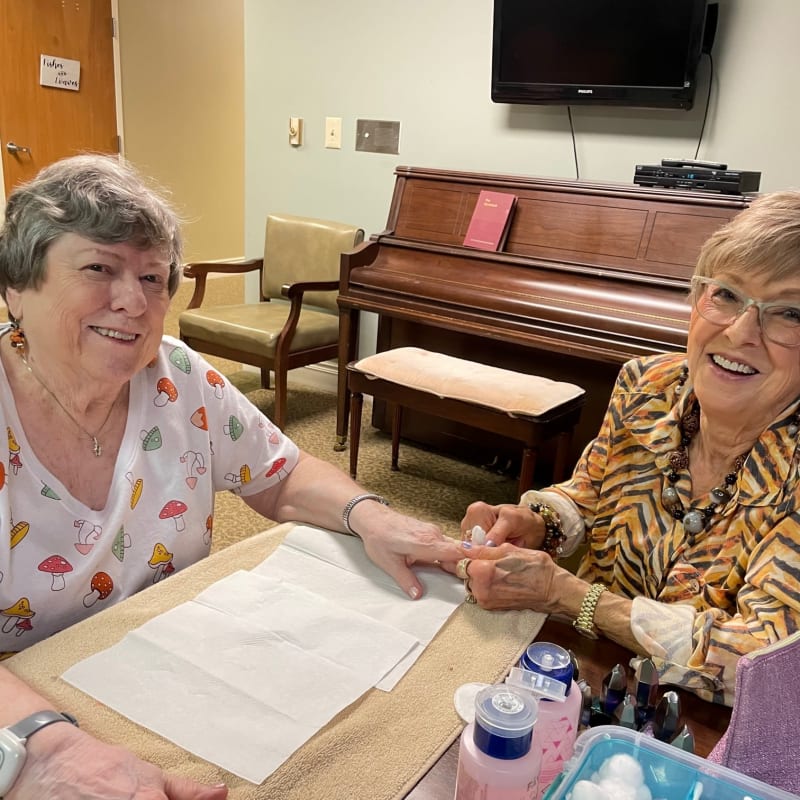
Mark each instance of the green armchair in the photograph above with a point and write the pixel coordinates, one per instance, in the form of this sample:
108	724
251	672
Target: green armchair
301	265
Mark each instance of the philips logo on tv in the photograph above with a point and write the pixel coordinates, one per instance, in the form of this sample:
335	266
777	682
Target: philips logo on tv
585	91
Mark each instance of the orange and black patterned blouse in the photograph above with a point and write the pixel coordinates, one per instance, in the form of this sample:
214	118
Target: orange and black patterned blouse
737	587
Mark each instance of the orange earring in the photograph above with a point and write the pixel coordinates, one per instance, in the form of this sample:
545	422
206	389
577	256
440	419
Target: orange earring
17	335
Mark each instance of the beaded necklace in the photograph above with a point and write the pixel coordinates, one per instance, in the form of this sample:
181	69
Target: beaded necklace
695	520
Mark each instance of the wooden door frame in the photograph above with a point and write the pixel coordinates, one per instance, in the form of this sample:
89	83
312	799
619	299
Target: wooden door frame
117	97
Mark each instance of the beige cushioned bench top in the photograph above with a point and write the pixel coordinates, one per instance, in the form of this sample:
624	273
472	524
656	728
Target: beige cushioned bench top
514	393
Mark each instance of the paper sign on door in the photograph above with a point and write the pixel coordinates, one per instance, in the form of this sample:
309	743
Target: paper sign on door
61	73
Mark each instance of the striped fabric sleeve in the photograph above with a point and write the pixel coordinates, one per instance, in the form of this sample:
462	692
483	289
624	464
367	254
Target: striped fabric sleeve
571	519
698	647
665	632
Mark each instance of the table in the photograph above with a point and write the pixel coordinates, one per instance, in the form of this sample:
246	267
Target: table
708	721
377	748
385	745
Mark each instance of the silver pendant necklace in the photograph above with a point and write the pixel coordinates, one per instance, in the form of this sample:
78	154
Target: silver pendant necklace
97	448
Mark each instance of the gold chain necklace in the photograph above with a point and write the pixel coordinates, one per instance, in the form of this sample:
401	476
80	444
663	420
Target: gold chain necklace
96	446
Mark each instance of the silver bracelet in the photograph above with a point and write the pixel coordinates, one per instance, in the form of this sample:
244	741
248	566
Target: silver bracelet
351	504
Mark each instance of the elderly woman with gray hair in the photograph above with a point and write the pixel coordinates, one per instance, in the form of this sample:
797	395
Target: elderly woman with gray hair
102	412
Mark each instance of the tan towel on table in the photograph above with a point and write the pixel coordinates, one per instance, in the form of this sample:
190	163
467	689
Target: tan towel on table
376	749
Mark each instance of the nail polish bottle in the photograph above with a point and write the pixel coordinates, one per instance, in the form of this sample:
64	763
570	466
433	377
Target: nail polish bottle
646	678
625	712
495	759
614	688
684	740
559	718
667	717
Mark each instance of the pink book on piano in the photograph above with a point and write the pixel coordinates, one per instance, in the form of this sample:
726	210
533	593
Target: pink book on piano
490	221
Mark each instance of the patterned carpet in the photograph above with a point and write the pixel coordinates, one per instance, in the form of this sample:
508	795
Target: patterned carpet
429	485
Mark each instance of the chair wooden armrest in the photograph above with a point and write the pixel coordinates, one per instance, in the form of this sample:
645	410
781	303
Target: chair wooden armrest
292	290
200	270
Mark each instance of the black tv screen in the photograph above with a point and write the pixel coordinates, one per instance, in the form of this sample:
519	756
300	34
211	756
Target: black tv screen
602	52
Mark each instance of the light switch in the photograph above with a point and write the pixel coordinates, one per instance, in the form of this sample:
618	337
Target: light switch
333	132
295	131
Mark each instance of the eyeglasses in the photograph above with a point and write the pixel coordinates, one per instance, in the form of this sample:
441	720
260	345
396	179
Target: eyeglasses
721	304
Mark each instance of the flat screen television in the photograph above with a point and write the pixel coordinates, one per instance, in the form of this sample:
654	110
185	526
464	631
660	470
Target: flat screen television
597	52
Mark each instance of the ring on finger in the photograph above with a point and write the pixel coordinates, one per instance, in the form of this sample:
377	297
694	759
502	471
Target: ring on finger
462	568
470	598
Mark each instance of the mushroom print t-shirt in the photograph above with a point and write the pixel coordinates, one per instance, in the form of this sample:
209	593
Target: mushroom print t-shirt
189	434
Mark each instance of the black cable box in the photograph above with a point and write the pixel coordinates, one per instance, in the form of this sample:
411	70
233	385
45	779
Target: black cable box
701	179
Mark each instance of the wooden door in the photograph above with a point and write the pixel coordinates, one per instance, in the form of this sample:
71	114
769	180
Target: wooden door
54	122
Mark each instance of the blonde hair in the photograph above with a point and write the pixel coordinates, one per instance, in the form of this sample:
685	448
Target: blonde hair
764	239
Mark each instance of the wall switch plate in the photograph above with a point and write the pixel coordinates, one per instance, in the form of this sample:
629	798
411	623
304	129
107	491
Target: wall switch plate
295	131
333	132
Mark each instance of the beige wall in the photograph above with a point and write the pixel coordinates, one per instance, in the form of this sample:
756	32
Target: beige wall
182	74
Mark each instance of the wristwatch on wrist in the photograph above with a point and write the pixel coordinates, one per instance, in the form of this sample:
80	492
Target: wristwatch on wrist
12	744
584	624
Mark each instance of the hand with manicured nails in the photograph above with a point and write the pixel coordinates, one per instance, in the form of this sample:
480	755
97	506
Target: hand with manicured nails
517	525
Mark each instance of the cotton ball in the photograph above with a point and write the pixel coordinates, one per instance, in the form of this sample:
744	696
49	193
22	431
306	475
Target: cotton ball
614	787
587	790
618	788
621	777
643	793
624	768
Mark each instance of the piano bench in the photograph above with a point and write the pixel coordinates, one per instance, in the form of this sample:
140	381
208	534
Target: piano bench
527	408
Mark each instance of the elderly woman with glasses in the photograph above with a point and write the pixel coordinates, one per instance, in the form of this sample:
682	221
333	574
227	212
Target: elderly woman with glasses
687	500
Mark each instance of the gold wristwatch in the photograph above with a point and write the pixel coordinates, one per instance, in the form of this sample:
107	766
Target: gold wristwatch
584	624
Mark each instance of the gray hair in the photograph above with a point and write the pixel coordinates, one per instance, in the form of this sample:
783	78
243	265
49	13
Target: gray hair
93	196
764	240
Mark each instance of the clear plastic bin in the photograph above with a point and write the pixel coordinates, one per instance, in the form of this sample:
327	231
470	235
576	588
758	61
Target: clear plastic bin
669	772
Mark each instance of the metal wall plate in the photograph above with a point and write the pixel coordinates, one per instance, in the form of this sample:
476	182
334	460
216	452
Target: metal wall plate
378	136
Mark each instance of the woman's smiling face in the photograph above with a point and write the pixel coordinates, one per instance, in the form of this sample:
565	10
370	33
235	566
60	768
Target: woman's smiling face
99	311
735	369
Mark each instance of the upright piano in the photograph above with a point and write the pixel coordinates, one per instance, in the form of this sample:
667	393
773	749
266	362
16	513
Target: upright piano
590	276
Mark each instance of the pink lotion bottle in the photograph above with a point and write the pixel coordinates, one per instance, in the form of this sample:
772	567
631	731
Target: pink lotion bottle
550	678
496	760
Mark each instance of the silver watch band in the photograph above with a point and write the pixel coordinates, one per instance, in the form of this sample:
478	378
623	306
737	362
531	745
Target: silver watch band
25	728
